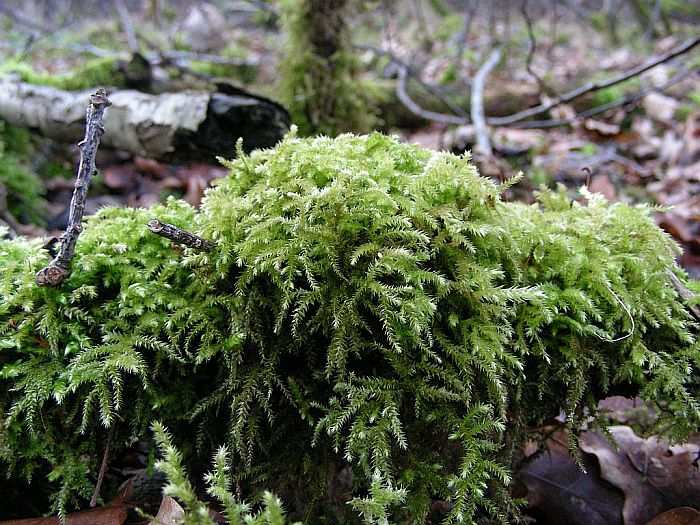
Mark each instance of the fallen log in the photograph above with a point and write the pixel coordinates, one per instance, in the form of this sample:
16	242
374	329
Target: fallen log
174	127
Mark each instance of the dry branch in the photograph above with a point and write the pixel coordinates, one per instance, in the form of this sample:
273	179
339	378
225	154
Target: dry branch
185	126
180	236
483	143
595	86
623	101
59	268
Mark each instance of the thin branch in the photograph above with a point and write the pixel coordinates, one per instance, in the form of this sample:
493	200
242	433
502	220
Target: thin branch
414	108
532	50
127	25
595	86
464	32
483	143
204	57
684	294
624	101
59	268
23	21
411	71
180	236
103	467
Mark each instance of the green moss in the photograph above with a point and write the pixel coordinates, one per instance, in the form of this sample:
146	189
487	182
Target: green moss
371	307
96	72
24	187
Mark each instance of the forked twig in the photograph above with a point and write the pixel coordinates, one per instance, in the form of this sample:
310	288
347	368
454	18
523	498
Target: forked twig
59	268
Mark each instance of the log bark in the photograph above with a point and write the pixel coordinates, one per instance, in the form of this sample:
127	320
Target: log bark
173	127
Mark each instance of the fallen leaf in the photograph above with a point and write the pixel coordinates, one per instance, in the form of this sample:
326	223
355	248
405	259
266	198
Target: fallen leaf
600	183
602	128
169	513
519	139
679	516
660	107
122	177
151	167
559	492
113	513
653	476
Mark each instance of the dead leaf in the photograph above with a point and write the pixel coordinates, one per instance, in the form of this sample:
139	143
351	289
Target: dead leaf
519	139
602	128
653	476
150	167
113	513
559	492
660	107
169	513
679	516
600	183
122	177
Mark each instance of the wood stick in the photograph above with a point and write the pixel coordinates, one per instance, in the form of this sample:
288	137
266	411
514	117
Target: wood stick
180	236
103	467
59	268
483	143
594	86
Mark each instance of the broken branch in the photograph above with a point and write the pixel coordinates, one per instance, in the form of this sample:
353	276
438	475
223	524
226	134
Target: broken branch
594	86
483	143
59	268
180	236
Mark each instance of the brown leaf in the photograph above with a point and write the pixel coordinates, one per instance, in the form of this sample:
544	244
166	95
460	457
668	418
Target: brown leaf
150	167
679	516
169	513
113	513
601	184
601	128
120	177
652	475
559	492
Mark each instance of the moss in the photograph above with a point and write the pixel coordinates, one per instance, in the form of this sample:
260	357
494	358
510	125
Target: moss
371	307
24	187
321	83
97	72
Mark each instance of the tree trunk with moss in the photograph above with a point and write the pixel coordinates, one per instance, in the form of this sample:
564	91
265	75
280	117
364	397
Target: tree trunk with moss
320	79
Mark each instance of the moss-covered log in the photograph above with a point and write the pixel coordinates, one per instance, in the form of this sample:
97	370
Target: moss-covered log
370	308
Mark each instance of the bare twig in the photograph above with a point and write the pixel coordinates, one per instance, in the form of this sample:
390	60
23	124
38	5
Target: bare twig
59	268
684	294
414	108
464	32
23	21
180	236
532	50
433	90
127	25
623	101
483	143
103	467
595	86
204	57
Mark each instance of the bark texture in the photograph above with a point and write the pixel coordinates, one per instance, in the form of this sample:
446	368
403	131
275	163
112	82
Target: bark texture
188	126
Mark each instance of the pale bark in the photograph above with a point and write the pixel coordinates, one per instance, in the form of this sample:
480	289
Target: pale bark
173	126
